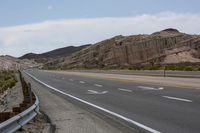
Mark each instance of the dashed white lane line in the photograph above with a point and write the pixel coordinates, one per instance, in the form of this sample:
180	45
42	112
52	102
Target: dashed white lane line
82	82
96	92
71	80
176	98
93	91
150	88
126	90
98	85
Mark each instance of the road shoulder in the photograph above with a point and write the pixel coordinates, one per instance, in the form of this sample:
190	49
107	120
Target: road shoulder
192	83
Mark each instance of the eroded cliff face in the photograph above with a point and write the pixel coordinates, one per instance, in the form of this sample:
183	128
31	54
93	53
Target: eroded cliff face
125	51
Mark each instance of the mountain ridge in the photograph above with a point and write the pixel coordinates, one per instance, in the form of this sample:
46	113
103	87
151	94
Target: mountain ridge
60	52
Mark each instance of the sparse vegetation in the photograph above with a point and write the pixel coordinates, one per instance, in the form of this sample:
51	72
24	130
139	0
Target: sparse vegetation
172	67
7	80
182	68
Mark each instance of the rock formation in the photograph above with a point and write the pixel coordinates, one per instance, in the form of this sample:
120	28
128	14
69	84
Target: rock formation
123	51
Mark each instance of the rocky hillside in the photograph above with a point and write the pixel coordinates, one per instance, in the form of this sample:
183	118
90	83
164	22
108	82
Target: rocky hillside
165	47
11	63
61	52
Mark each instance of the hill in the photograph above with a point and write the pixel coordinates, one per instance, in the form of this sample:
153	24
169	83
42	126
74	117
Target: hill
160	48
61	52
12	63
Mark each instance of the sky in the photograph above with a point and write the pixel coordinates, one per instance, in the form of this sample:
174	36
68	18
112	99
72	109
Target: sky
41	25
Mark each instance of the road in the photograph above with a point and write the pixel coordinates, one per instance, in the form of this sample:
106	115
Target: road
155	108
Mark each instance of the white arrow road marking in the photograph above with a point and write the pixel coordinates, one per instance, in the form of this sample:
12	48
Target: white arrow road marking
150	88
127	90
176	98
82	82
96	92
98	85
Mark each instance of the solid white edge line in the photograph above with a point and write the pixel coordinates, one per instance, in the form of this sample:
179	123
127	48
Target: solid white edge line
176	98
98	107
127	90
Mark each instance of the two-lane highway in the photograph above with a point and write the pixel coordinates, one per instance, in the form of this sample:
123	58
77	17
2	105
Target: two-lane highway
156	108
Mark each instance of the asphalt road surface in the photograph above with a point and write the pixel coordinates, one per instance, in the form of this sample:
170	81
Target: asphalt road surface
152	107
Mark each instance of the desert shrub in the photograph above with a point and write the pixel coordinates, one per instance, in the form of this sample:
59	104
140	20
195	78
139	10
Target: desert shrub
152	67
180	68
133	68
188	68
7	80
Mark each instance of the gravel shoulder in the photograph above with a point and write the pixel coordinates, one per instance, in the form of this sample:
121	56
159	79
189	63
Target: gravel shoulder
69	118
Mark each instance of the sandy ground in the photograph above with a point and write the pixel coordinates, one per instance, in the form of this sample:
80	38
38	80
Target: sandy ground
69	118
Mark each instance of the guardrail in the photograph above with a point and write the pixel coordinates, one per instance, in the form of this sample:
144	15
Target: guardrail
23	114
13	124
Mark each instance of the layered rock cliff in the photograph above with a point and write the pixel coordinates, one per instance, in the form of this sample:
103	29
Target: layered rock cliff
167	46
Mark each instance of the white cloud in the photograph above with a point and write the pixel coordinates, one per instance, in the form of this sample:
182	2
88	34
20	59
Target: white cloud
44	36
50	7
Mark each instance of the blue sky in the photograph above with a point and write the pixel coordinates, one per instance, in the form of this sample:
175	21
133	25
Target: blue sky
42	25
15	12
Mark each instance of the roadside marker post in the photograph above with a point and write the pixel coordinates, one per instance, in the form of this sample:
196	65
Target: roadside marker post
165	71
